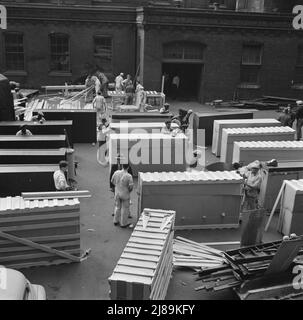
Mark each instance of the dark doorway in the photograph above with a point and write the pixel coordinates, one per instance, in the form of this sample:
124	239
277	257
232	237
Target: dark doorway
190	75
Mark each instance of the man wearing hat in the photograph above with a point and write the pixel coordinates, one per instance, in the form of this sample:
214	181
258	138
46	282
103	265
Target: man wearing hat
252	186
299	118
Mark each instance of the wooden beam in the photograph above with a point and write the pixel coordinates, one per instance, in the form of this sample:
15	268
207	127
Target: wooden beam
55	195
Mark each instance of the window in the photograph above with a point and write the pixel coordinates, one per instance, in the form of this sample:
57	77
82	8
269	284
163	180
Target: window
251	63
14	51
298	78
183	51
103	53
59	52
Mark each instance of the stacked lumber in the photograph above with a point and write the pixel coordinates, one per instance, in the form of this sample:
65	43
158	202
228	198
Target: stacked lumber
272	261
195	255
144	269
39	232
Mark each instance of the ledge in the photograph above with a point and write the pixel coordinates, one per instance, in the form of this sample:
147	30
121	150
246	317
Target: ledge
16	73
59	74
253	86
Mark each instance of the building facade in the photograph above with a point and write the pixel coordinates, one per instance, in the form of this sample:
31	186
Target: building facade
219	49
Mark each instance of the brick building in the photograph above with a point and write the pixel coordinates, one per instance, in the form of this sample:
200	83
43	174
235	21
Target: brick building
219	49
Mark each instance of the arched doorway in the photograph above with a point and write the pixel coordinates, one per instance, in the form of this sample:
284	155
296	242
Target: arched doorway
184	59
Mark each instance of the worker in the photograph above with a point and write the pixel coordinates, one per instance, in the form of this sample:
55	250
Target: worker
39	117
167	129
141	97
103	131
103	80
117	166
252	185
124	185
299	118
129	93
119	82
60	179
165	108
99	103
24	131
127	81
286	118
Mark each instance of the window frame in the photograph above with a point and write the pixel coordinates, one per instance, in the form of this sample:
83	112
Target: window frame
96	55
53	71
6	69
167	58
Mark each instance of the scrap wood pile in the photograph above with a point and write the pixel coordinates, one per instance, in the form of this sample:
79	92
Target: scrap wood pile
195	255
251	263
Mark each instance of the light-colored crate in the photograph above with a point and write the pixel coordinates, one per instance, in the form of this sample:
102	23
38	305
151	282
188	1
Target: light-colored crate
219	125
283	151
144	269
232	135
202	200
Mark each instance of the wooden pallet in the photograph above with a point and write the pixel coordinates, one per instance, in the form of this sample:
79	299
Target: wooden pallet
145	266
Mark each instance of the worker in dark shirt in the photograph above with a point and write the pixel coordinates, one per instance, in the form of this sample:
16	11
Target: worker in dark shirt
287	118
299	118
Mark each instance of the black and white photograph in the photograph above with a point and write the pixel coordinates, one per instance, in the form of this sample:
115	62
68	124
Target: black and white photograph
151	153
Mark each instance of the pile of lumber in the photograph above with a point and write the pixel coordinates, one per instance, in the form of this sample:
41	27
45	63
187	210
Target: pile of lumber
255	271
144	269
195	255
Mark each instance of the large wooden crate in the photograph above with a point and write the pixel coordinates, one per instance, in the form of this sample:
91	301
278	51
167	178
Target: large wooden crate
143	272
33	142
219	125
272	180
16	178
291	214
205	121
247	152
149	152
230	136
26	225
47	127
202	200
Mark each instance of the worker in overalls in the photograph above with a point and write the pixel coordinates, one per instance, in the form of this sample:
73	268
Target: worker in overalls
252	185
124	185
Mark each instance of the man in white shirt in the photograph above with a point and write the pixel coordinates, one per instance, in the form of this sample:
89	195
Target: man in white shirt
119	82
99	103
60	179
175	86
124	185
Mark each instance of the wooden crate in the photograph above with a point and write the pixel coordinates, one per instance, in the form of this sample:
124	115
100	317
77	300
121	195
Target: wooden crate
272	180
205	121
219	125
33	142
247	152
229	136
32	232
158	152
143	272
202	200
291	213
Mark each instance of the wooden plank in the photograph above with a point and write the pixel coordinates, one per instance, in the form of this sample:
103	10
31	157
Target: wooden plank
147	241
143	246
140	257
145	252
45	263
137	263
134	271
148	236
40	226
152	230
38	246
55	195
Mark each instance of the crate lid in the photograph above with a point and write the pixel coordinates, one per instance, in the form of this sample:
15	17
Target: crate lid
18	203
236	121
258	130
270	144
145	136
198	177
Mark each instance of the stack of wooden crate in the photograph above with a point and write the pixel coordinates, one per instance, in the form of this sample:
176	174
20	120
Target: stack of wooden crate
143	272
